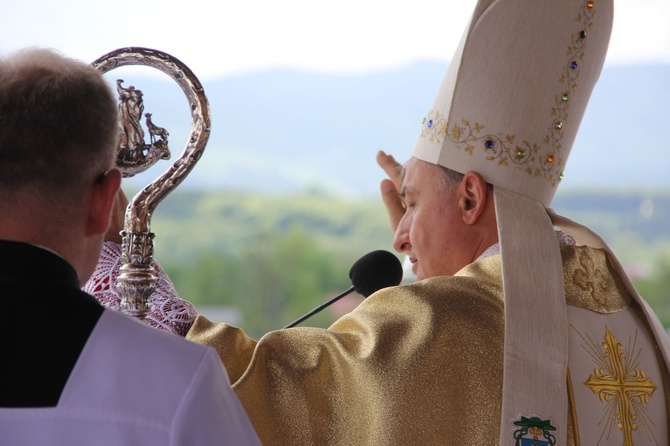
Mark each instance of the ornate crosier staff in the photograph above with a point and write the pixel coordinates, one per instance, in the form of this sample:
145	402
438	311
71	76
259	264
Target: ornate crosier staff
137	280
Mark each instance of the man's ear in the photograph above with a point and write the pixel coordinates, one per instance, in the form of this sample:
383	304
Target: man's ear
473	197
103	194
118	217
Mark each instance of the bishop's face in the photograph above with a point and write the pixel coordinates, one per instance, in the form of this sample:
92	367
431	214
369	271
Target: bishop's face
432	232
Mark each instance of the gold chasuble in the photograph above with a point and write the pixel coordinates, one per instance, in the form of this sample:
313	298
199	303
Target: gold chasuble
423	364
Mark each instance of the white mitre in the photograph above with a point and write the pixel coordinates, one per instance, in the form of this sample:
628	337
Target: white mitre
509	108
516	90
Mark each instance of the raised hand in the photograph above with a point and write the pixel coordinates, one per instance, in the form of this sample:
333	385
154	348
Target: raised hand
390	188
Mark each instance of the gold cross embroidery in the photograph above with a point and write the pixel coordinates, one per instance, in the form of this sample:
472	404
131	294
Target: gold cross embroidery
618	386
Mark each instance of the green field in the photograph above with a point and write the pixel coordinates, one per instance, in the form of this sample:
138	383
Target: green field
273	258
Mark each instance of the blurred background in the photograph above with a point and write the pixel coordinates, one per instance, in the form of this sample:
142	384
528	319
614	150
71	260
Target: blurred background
303	94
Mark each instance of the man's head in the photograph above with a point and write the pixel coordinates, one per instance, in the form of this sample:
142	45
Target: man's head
511	103
58	141
449	220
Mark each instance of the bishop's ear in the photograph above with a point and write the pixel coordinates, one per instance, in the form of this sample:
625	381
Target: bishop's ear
473	197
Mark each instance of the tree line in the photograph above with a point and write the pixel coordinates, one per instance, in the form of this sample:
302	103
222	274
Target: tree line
273	258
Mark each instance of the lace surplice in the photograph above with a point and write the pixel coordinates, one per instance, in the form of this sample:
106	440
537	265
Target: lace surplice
168	312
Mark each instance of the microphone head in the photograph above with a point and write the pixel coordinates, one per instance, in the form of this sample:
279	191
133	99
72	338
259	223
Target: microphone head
374	271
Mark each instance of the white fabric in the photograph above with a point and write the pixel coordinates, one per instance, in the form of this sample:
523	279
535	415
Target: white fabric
500	109
136	386
168	311
563	240
536	340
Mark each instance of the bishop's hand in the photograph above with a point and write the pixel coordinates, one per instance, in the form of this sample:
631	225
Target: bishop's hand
390	188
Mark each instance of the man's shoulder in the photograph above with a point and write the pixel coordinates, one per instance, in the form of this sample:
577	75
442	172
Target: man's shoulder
120	343
447	300
130	336
592	281
125	362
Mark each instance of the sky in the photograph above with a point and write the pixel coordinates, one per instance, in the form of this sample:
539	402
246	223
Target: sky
218	38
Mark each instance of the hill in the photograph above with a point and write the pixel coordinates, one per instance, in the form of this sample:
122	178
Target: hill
284	131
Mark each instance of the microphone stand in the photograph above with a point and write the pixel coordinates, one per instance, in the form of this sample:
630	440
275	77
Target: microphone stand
320	307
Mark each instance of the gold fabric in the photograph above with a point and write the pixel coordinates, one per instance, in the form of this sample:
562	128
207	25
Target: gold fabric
589	282
412	365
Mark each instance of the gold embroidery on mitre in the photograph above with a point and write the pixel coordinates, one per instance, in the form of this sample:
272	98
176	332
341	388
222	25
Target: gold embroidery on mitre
618	382
434	127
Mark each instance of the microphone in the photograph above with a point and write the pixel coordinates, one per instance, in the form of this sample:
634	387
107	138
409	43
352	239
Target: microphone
372	272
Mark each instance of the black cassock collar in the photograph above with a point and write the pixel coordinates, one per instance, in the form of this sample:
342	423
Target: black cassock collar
46	321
